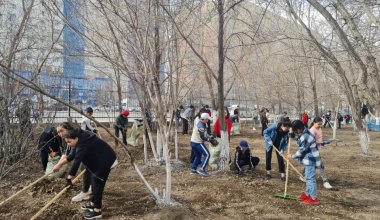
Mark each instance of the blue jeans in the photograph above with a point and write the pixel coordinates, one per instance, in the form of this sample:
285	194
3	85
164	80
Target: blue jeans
199	150
311	181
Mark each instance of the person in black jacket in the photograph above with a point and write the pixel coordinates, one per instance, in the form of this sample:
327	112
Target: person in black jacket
98	157
243	157
121	126
49	144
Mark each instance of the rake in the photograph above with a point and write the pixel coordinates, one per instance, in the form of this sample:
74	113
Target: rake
285	195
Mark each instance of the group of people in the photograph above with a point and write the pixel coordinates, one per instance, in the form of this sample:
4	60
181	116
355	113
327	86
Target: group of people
308	139
80	146
83	149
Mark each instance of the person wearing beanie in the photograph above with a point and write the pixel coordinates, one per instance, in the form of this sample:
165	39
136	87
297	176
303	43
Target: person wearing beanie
86	122
121	126
243	157
197	117
198	137
309	157
276	136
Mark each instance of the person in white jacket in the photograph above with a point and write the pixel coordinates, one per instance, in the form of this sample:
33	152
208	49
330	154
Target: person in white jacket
86	122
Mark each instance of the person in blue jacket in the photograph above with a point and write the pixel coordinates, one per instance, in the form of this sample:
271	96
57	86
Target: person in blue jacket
276	136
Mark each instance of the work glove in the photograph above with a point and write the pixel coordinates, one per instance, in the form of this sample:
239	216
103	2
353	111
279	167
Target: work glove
69	183
270	143
214	142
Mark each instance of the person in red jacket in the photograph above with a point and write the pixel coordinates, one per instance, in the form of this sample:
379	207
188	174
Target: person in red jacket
228	122
305	119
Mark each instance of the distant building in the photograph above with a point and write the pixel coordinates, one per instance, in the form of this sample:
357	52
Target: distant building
66	64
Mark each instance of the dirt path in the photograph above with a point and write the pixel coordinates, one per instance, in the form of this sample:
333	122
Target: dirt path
222	195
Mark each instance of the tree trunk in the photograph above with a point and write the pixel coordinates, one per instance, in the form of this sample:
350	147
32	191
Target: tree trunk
350	90
315	94
145	147
336	120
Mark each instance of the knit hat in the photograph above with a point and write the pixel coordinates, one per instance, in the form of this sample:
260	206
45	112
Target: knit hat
205	116
244	144
125	113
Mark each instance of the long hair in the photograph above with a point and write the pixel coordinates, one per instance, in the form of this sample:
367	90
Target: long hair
70	126
228	113
316	120
286	123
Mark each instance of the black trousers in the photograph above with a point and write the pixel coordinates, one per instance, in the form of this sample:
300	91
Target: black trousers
44	159
327	122
123	133
255	161
98	185
185	125
263	127
268	157
86	179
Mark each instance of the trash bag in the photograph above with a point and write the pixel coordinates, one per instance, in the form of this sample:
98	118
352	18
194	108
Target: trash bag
214	155
52	161
235	128
135	134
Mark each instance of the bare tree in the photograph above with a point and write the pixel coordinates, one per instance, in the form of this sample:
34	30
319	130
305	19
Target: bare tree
368	71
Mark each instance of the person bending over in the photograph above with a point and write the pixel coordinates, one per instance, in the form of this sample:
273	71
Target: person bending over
98	157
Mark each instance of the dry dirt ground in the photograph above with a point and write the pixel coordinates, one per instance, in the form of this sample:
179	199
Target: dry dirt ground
356	180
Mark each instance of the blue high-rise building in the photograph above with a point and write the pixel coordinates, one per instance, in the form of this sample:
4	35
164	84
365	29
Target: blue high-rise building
74	45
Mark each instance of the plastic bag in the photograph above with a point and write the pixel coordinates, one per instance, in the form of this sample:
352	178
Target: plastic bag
235	128
214	155
51	163
135	134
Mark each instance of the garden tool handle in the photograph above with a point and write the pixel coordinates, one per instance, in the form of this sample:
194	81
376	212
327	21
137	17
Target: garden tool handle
298	172
25	188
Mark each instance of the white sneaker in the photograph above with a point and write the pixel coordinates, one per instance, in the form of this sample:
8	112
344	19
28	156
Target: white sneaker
303	179
81	196
327	185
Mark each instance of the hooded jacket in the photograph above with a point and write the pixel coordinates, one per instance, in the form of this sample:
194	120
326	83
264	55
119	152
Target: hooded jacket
93	152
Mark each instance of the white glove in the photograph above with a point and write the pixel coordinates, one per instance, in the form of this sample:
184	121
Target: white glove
270	143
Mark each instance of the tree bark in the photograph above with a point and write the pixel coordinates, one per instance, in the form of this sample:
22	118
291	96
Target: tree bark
352	97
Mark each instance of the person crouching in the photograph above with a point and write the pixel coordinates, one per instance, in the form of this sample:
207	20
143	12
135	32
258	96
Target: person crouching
243	157
98	157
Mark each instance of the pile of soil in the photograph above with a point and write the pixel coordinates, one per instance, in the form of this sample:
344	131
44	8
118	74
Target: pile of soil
223	195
